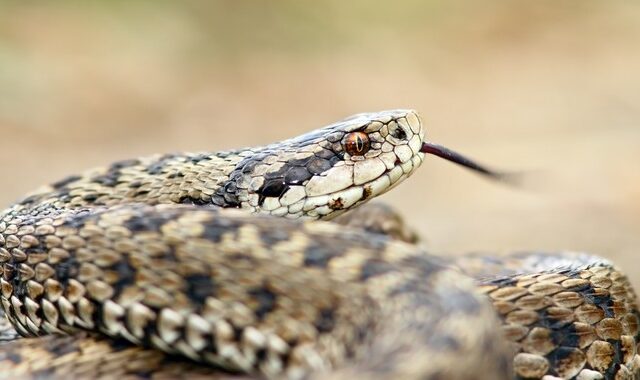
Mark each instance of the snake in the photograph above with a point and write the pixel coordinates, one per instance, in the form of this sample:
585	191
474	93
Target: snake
269	262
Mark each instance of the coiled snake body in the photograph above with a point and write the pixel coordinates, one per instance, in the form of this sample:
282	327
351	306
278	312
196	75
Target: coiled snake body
214	265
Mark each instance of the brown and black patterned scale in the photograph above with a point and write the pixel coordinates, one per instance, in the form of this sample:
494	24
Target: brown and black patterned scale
566	315
212	266
250	293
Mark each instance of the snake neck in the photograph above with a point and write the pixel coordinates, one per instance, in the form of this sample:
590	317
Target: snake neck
188	178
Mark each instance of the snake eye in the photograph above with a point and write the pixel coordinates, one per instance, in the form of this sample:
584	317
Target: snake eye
356	143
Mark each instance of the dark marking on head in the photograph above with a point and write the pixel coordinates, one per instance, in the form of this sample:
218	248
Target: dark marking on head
325	154
272	188
294	173
318	165
297	175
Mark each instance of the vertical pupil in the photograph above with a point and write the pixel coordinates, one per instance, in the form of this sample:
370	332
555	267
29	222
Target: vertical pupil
359	144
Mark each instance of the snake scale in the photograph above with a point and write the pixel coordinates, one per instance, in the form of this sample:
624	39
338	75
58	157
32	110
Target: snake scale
225	266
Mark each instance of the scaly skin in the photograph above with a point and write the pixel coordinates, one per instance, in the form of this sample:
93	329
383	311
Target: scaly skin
218	258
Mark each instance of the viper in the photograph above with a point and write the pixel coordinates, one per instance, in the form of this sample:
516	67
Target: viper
266	262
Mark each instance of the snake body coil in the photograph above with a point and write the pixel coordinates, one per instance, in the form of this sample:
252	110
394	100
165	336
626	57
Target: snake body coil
214	265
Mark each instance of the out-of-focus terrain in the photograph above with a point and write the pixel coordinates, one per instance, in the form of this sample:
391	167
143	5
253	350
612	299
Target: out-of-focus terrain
550	88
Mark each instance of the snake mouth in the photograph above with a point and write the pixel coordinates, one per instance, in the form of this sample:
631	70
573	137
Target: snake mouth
457	158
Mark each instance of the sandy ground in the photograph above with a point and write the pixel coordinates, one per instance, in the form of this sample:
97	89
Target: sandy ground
549	88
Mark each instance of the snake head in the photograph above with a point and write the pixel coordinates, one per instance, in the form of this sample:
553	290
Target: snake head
326	172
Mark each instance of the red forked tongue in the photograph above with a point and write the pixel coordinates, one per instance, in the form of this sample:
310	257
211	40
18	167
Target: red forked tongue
450	155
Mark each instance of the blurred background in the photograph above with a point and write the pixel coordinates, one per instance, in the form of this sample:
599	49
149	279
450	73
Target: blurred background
546	87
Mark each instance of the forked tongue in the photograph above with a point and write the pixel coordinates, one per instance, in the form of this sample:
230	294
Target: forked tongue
455	157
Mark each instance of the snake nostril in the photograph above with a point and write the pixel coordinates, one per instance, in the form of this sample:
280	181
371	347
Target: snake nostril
398	132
